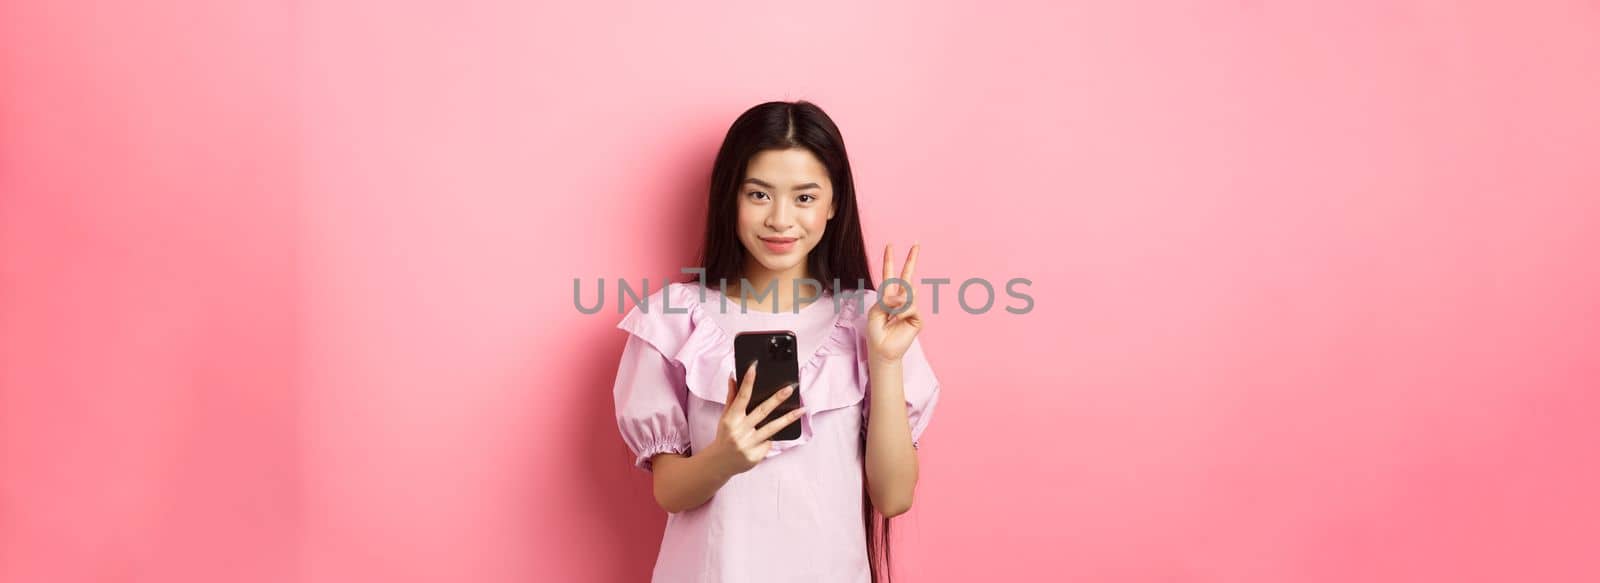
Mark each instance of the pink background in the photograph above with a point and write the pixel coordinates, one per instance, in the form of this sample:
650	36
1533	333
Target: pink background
285	291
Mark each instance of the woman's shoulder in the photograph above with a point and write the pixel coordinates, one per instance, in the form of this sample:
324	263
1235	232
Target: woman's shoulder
673	323
666	317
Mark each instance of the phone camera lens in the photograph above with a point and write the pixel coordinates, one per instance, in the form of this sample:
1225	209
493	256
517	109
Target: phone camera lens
780	346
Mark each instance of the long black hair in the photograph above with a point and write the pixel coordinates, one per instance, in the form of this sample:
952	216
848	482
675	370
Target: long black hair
840	256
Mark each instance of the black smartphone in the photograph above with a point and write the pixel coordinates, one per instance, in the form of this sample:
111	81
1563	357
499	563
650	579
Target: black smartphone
777	366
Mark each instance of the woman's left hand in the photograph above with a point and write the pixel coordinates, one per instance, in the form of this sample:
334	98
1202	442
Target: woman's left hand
889	335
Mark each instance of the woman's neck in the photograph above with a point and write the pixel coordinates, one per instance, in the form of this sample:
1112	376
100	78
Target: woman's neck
778	287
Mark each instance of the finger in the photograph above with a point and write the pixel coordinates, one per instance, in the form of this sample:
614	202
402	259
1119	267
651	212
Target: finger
888	263
907	272
891	306
910	313
767	431
771	403
742	401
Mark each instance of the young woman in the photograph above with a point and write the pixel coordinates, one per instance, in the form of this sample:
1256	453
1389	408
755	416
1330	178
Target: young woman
743	507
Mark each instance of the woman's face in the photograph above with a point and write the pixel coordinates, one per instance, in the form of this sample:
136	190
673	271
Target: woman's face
785	202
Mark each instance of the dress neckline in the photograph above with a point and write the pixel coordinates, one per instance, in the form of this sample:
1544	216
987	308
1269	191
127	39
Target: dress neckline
714	302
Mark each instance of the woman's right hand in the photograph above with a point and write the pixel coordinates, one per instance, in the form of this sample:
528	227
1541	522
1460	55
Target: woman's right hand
739	445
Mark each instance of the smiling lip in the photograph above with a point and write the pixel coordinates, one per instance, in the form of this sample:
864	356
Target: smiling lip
778	244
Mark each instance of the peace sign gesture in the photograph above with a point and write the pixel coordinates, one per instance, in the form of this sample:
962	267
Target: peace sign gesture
889	336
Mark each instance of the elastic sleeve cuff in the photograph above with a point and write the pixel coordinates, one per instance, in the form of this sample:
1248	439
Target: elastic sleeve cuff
660	446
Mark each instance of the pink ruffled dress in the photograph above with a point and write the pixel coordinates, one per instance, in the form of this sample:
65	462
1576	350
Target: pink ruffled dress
796	516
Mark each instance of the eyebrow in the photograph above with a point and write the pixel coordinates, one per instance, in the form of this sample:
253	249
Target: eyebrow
764	184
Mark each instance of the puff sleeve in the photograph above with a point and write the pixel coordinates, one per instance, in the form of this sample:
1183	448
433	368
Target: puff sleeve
651	400
921	390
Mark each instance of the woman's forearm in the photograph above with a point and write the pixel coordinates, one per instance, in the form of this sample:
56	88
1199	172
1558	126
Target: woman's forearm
891	460
685	482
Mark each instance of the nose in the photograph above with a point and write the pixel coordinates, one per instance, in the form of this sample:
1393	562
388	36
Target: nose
780	217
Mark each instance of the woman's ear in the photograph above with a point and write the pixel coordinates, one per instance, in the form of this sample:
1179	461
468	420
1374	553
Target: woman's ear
831	206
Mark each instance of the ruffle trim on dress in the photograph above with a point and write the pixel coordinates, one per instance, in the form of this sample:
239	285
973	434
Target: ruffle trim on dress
705	351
